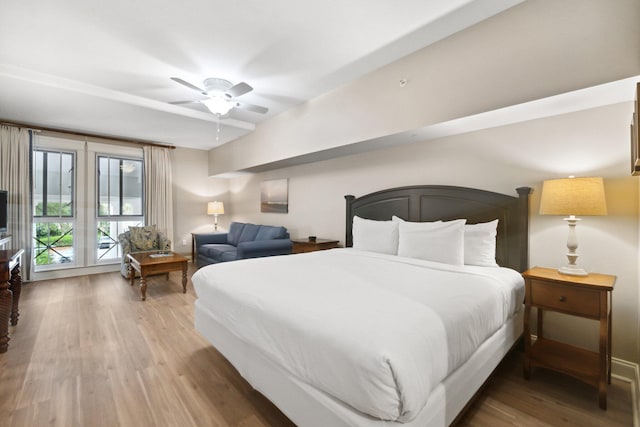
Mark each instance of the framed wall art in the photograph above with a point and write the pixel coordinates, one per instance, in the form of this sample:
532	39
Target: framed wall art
274	196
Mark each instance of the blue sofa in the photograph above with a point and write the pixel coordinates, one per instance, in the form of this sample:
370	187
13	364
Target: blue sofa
242	241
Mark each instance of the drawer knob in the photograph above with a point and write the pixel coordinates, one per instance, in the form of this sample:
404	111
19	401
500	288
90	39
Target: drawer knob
563	298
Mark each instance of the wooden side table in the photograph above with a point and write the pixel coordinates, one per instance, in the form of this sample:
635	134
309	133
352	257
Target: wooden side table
306	245
150	263
584	296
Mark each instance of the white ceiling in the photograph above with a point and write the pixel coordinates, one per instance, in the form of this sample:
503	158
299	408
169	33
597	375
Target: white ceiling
104	67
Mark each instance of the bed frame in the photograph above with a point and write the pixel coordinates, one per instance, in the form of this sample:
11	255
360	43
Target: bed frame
421	203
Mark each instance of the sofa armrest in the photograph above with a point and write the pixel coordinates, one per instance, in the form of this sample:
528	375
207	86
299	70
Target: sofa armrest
125	245
260	248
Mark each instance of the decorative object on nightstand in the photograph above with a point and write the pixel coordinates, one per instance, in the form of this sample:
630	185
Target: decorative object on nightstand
573	196
215	209
588	296
312	244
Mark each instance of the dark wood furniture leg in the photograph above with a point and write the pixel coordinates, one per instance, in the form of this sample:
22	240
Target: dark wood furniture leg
184	278
143	286
6	299
604	351
193	248
15	285
527	342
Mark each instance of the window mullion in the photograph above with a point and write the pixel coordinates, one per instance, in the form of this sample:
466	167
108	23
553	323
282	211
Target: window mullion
45	182
121	186
60	185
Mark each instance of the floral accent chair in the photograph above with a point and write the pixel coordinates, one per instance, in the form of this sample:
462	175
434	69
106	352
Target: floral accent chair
141	239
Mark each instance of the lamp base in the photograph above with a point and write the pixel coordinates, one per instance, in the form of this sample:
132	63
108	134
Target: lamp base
572	270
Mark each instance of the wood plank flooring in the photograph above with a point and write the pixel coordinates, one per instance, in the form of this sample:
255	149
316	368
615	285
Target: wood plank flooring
88	352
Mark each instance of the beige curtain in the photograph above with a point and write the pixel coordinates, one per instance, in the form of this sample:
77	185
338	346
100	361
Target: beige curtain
15	177
158	191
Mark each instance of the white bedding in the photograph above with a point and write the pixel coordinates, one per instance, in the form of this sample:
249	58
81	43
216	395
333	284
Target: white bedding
377	332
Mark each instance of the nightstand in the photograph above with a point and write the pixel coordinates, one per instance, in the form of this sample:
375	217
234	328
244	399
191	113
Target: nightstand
306	245
583	296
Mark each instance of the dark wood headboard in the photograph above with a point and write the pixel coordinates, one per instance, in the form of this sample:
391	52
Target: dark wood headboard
433	202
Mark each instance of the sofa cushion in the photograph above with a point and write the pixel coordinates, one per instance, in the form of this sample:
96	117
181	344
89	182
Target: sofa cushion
235	230
217	251
268	232
249	233
143	238
229	256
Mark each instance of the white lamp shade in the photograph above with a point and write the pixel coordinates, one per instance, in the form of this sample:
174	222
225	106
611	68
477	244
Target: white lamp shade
219	106
573	196
215	208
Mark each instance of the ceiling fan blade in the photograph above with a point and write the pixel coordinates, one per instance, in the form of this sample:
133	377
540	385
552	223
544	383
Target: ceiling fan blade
182	102
251	107
239	89
189	85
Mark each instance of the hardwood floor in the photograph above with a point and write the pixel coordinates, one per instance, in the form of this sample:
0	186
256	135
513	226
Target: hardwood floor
88	352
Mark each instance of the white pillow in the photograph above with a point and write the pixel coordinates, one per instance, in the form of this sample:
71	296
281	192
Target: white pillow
375	236
433	241
480	244
398	219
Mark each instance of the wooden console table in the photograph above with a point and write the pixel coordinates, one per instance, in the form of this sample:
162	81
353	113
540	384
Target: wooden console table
10	287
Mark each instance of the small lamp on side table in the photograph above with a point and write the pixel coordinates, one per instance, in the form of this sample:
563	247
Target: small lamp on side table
573	196
215	209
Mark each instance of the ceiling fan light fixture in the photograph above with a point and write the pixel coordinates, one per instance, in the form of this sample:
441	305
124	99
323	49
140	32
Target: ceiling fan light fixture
221	94
218	106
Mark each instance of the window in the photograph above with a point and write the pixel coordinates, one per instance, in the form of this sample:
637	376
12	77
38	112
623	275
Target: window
120	202
85	193
53	205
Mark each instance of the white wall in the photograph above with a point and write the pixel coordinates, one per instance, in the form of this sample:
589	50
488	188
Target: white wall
192	189
531	51
592	142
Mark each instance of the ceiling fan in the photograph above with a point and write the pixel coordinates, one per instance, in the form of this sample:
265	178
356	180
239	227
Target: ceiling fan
221	96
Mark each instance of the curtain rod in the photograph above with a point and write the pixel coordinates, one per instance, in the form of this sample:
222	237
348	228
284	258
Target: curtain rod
92	135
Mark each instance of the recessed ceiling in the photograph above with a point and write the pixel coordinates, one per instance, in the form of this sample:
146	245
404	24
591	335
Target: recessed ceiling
104	68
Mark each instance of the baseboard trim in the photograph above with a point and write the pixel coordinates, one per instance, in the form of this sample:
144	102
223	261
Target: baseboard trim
629	372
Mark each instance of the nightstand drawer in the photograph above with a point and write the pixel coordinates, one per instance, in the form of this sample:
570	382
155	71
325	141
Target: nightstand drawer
578	301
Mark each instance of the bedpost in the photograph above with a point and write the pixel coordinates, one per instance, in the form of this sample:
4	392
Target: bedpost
523	225
348	240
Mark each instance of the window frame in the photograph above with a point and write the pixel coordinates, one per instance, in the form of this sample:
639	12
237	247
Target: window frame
121	186
45	218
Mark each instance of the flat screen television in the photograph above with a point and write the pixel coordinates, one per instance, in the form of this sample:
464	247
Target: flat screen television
4	210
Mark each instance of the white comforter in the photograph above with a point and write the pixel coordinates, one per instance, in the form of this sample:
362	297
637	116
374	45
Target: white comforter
377	332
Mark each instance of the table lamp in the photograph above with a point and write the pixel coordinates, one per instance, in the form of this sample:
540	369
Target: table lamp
215	209
573	196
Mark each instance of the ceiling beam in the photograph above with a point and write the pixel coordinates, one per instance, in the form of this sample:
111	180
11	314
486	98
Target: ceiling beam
38	78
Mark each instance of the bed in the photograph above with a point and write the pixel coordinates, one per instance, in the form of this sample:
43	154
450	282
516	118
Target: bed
358	336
